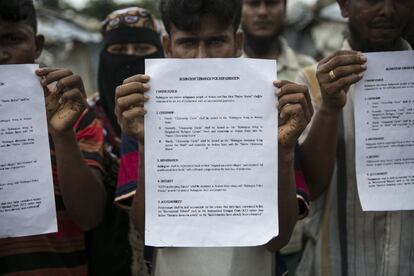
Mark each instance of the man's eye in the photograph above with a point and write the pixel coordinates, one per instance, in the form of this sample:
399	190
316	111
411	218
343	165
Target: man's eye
216	42
13	39
253	3
188	43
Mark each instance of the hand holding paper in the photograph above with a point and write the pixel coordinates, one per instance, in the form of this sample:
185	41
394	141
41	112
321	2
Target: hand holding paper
336	74
129	107
295	112
64	97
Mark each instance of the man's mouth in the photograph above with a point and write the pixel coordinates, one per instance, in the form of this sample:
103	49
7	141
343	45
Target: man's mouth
262	24
383	25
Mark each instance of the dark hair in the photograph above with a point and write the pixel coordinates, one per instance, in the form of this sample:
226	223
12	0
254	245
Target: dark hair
186	15
19	11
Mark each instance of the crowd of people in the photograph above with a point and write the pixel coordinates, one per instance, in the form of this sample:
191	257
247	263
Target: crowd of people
97	148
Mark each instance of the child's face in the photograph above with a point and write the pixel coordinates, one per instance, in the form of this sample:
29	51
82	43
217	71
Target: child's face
18	43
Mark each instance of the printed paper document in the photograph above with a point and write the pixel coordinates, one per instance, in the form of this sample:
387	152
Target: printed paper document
384	122
211	153
27	205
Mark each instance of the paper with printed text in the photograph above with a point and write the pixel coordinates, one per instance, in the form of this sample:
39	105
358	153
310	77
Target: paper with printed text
211	153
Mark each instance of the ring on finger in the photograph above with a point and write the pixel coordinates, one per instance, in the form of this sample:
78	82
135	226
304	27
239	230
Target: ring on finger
332	75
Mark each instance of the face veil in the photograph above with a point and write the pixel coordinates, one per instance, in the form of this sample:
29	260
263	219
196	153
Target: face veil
115	68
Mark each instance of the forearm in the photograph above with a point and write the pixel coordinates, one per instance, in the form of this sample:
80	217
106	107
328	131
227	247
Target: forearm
287	201
318	151
81	187
138	204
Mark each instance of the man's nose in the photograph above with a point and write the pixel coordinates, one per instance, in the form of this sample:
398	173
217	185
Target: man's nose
262	8
201	51
388	7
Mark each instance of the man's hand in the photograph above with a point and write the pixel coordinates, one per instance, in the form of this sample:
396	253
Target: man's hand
295	112
129	105
336	74
65	98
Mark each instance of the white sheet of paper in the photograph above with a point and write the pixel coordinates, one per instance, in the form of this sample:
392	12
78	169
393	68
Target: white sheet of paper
27	205
211	153
384	122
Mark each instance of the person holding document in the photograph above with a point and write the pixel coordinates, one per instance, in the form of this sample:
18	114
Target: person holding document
76	139
208	29
130	36
262	23
344	240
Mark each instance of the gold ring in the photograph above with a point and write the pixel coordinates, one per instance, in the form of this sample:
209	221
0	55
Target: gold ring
332	75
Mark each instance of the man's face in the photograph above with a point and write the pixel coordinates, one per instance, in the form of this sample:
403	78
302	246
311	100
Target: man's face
211	41
376	24
18	43
263	18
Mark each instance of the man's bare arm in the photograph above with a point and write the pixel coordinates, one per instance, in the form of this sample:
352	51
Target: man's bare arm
335	74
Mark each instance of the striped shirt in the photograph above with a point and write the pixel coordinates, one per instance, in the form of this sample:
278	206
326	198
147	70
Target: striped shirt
61	253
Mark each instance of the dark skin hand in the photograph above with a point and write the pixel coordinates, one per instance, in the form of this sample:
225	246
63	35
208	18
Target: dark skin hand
81	186
348	67
65	101
295	112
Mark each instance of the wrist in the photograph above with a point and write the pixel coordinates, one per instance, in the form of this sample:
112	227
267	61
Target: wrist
141	147
286	154
329	110
64	136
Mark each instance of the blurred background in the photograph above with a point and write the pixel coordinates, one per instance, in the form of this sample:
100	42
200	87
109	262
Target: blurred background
73	37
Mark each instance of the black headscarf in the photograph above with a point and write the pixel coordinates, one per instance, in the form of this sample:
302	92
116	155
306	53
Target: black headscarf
115	68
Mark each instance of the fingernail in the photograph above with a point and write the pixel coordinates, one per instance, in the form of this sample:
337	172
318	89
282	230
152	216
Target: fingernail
278	83
363	58
361	75
364	66
146	98
145	86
